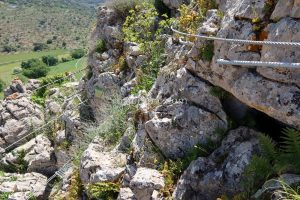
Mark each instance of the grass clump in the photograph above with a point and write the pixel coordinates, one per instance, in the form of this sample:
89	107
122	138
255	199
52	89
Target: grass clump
207	51
4	195
103	190
76	187
2	85
19	166
100	46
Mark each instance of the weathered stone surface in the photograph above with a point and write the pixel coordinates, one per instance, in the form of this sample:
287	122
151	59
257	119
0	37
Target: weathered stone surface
173	4
221	172
64	191
278	100
22	185
32	84
38	153
286	8
126	194
17	118
246	9
187	116
211	24
145	181
99	166
16	87
287	30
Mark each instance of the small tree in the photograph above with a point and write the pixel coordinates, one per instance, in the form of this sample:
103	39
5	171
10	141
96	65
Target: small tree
34	68
100	47
78	53
39	46
50	60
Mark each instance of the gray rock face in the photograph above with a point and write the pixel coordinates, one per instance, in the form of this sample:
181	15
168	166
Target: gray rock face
126	194
38	154
286	8
16	87
98	166
273	97
212	24
187	116
145	182
173	4
247	9
63	192
221	172
22	185
101	90
287	30
18	116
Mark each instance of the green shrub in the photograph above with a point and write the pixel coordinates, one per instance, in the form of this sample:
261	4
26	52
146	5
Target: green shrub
36	72
50	60
2	85
78	53
49	41
19	166
76	187
207	52
8	48
4	195
66	59
40	46
100	46
31	63
123	6
103	190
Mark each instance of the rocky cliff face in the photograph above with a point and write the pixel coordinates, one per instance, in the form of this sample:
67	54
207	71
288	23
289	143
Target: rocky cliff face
168	124
180	112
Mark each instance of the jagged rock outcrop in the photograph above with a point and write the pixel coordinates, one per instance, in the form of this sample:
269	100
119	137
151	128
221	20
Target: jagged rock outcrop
17	86
286	8
221	172
267	90
99	166
23	185
18	116
145	182
38	154
187	115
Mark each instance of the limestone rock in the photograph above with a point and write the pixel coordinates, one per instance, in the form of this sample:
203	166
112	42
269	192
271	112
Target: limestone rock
286	8
97	166
287	30
221	172
173	4
17	118
212	23
23	185
38	153
187	116
32	84
126	194
145	182
16	87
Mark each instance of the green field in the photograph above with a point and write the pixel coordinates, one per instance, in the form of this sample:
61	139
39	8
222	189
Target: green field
9	62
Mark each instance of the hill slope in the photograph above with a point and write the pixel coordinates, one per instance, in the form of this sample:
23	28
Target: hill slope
58	23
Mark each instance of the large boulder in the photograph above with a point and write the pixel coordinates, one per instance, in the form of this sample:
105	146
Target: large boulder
187	115
145	182
38	154
221	172
97	166
21	186
18	117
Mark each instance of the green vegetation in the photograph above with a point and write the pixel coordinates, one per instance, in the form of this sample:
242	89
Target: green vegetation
115	123
40	47
102	190
50	60
2	85
218	92
34	68
19	166
272	161
139	27
76	187
123	7
207	51
100	47
78	53
4	195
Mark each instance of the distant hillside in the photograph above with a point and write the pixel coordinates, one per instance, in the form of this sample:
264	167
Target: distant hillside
55	23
